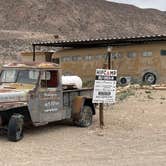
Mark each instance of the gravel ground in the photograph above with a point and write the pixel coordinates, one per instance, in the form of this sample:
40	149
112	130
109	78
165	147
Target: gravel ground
134	135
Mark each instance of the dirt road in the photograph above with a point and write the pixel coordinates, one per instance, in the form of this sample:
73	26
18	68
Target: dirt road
135	135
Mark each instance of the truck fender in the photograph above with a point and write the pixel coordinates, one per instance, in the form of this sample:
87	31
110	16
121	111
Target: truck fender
78	104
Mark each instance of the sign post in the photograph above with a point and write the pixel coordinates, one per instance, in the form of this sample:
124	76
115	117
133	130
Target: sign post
104	89
101	115
107	78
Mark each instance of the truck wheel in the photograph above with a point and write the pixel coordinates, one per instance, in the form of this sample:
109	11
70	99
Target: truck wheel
149	78
86	117
15	127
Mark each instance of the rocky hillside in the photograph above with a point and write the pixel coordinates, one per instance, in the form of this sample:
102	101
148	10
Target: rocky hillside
70	19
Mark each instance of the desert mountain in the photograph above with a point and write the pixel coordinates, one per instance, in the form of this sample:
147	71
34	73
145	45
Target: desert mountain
25	20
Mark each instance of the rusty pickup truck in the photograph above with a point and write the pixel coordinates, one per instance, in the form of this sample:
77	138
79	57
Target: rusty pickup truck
33	93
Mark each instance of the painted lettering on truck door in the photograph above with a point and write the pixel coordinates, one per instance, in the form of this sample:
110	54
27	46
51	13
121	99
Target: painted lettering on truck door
50	96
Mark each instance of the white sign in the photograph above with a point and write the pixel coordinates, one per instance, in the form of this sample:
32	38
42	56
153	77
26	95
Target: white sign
105	86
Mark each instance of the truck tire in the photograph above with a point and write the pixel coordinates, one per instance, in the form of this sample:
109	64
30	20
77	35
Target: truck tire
149	78
15	127
85	117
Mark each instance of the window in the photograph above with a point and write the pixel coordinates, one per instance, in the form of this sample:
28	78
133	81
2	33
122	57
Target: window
74	58
79	58
8	76
147	53
104	56
66	59
56	60
19	76
100	57
163	52
131	54
27	77
113	55
49	79
48	57
116	55
119	55
88	58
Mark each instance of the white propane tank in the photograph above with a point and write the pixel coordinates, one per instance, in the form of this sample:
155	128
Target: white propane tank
72	80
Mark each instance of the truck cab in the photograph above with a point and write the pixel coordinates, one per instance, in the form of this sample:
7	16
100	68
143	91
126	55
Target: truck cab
33	92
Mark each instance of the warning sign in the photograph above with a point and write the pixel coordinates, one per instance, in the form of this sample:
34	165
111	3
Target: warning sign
105	86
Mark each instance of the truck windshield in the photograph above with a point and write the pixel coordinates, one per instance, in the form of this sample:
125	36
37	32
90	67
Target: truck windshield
19	76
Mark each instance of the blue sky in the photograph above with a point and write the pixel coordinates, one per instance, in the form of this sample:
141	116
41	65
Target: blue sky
157	4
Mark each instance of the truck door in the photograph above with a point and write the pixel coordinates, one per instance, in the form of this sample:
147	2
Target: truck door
50	96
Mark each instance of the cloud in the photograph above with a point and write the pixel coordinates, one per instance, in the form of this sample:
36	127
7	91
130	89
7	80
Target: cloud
157	4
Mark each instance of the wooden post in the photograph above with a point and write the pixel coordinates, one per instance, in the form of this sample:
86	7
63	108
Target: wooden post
109	60
34	56
109	57
101	105
101	115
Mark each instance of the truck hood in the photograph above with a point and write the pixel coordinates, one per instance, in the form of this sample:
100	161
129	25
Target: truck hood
13	93
7	95
13	98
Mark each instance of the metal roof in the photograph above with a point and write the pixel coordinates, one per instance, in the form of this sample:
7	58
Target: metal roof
101	42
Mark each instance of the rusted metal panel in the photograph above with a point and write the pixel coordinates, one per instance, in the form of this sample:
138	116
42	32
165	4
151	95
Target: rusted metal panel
77	106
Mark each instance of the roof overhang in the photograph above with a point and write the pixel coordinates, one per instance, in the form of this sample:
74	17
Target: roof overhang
102	42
